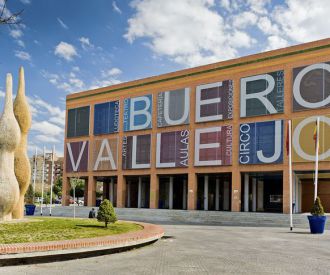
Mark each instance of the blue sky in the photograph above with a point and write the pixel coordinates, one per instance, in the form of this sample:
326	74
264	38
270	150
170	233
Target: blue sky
68	46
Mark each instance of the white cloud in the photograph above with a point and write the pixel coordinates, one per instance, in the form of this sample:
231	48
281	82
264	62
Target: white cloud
115	7
267	27
85	43
231	5
303	20
104	83
47	139
241	39
218	30
23	55
111	72
32	147
63	25
244	19
66	51
66	82
75	69
26	2
16	33
225	4
2	93
47	128
108	78
55	114
258	6
276	42
20	43
190	38
76	82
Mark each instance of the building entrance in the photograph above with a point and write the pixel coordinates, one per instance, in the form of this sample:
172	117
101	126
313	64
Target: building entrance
109	189
137	191
262	192
173	192
214	192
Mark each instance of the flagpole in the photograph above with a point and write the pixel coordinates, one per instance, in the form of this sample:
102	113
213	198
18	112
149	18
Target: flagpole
317	157
35	172
42	181
51	183
290	175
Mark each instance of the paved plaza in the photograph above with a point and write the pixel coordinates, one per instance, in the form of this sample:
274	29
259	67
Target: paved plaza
192	249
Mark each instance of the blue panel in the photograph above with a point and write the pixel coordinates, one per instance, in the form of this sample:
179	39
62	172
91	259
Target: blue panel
261	136
106	118
101	117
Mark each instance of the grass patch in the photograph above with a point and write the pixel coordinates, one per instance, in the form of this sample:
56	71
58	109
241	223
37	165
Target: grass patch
54	229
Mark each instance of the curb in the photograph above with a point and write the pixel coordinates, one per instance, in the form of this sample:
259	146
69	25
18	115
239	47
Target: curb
43	252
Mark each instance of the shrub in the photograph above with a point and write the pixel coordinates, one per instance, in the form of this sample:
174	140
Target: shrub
106	213
317	209
29	196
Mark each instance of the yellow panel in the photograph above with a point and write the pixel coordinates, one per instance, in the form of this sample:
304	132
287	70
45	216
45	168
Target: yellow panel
303	142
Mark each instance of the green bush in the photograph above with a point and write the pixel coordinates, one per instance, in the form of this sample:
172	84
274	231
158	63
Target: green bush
57	188
29	196
317	209
106	213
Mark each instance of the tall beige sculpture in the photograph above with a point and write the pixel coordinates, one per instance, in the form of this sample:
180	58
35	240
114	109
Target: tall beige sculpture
22	163
10	136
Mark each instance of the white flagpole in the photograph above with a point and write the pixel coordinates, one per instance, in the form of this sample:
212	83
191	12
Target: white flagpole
51	183
35	172
316	157
290	175
43	180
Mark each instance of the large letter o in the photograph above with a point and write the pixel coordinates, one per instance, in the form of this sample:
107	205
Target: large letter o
296	87
296	135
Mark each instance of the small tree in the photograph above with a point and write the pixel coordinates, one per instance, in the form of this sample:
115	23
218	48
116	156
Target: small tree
106	213
57	188
79	186
29	195
317	209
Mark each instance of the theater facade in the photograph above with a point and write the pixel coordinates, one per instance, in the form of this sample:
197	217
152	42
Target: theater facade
208	138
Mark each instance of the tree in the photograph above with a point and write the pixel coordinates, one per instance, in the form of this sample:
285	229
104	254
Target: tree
317	209
29	195
57	188
106	213
80	188
8	18
37	194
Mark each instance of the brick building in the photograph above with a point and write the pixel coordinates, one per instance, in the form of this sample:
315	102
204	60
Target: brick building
211	137
58	170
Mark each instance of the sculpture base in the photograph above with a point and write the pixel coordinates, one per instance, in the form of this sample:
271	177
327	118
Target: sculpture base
6	218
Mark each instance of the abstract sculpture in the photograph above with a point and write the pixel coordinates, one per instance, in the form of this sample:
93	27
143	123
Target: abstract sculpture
10	136
22	163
